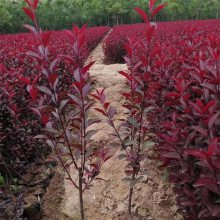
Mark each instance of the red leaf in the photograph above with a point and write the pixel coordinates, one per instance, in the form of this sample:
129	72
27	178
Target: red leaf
107	158
76	29
212	147
29	13
158	8
30	28
87	67
151	4
126	95
33	92
144	60
142	13
86	90
209	105
124	74
204	181
106	105
33	54
36	111
35	4
25	80
45	119
101	111
128	49
197	153
45	90
196	107
28	2
35	80
68	58
200	130
75	99
214	208
173	95
209	86
172	155
63	103
77	75
95	96
81	40
216	163
46	38
213	119
111	112
54	63
52	78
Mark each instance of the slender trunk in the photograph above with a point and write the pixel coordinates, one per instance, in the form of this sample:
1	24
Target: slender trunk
130	196
81	194
130	200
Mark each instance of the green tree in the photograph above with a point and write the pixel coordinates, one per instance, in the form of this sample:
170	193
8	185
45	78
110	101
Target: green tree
61	14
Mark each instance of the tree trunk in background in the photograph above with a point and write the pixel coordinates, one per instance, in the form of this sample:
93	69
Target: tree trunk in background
197	14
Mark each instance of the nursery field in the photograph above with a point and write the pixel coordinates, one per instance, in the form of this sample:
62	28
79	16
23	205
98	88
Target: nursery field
111	123
169	34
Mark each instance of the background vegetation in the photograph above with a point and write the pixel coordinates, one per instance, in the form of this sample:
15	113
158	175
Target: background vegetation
60	14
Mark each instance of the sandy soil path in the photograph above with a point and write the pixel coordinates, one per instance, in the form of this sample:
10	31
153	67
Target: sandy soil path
153	198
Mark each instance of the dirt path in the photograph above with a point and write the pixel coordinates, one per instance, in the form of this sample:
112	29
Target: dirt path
153	198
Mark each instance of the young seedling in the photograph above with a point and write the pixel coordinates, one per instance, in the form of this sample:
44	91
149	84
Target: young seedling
65	113
133	131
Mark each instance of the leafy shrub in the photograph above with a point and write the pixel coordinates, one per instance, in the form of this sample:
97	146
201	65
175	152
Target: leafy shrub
167	33
133	132
184	77
64	110
180	71
17	70
13	48
113	46
18	126
189	135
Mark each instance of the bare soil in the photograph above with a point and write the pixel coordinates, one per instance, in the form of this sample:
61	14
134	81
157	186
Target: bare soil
153	198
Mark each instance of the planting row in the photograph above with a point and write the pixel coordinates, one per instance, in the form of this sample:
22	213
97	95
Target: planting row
176	74
14	47
20	62
166	32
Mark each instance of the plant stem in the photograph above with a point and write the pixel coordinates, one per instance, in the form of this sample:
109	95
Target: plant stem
129	200
130	196
81	194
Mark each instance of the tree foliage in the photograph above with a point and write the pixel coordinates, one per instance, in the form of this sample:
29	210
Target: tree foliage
100	12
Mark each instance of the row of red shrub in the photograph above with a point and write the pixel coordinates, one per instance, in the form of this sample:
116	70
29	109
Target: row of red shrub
13	47
18	125
188	105
167	32
181	70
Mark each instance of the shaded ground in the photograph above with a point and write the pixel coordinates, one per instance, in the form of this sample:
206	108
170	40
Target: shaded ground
24	197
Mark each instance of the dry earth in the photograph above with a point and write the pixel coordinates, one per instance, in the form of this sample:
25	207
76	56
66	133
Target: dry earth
153	198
